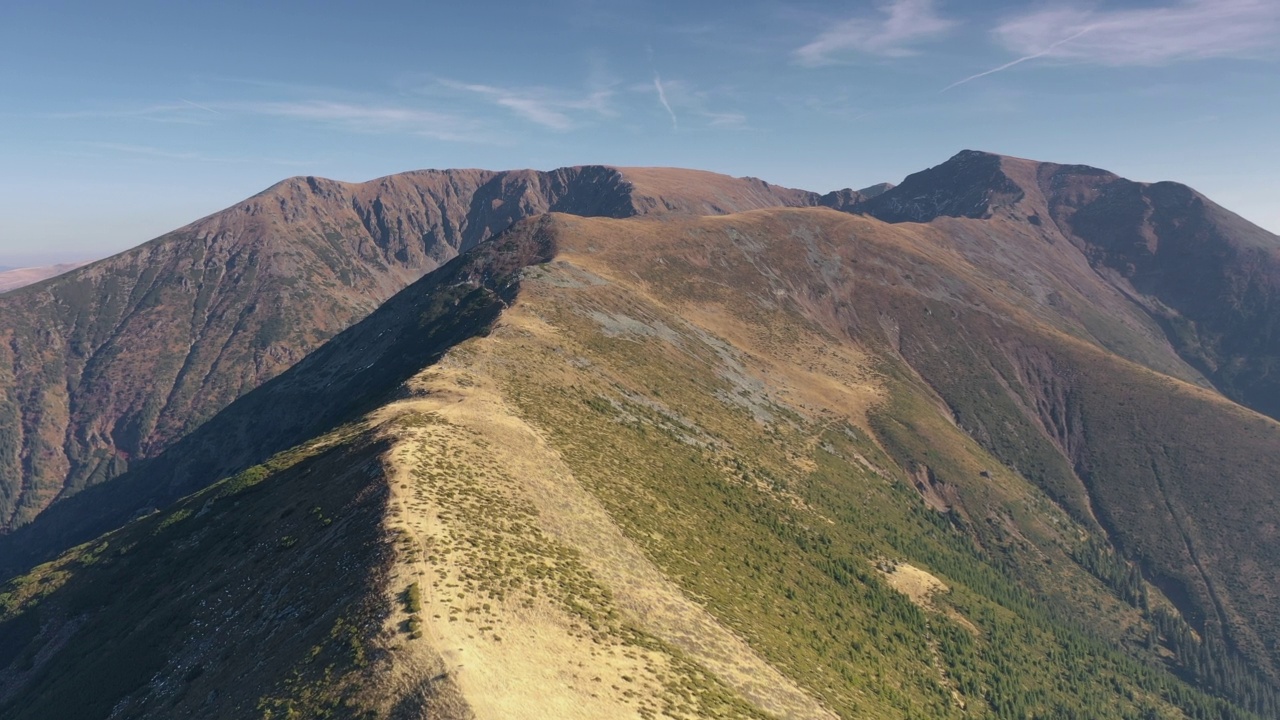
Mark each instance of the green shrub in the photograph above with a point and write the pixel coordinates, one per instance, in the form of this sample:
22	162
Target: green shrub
413	599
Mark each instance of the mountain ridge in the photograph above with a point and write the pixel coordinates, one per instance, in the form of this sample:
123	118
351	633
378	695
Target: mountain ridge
934	445
812	420
115	361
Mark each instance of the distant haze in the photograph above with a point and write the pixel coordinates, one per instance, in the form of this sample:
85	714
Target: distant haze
14	278
24	258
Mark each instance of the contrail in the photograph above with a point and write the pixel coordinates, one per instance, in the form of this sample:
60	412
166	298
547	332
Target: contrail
1008	65
662	98
198	105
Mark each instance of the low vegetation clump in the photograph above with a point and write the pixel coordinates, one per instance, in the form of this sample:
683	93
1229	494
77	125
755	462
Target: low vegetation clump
413	608
413	599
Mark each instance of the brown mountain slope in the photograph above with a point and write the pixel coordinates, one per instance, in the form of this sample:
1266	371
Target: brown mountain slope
345	376
112	363
1145	271
1181	477
784	462
1204	276
697	192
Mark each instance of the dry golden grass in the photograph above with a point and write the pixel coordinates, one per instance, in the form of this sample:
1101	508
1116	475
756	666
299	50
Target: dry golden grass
919	585
524	655
699	192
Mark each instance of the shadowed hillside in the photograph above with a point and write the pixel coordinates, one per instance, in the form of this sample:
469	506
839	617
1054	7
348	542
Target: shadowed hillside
347	375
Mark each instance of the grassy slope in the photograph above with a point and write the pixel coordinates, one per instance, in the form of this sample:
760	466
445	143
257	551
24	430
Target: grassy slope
771	502
529	595
1179	476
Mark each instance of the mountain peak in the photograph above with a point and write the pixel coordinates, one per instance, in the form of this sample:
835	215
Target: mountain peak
876	190
972	184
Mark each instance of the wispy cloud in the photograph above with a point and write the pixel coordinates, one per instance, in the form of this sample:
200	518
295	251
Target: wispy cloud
662	98
145	150
902	24
198	106
349	116
363	118
725	119
683	102
542	106
157	153
839	106
181	113
1018	61
1150	36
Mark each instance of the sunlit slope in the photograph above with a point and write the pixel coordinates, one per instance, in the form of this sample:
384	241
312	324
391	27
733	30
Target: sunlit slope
717	385
1154	261
811	316
1180	478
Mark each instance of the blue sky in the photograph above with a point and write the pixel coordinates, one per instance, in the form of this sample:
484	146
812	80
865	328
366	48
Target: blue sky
119	121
